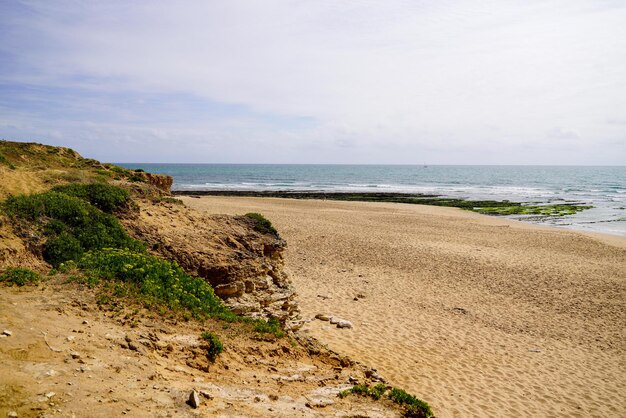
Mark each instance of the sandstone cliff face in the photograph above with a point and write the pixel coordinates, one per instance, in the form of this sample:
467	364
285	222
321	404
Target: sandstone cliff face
160	181
244	266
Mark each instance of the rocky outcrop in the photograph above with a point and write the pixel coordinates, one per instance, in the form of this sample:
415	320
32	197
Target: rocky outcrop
244	267
160	181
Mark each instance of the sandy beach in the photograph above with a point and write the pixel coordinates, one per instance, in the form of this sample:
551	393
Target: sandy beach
479	316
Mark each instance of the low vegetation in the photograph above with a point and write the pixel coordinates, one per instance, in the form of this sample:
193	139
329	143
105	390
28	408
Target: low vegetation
71	225
19	276
158	281
269	327
413	407
80	231
105	197
214	345
5	161
261	224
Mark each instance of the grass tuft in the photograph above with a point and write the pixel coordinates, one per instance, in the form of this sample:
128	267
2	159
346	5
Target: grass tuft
19	276
261	224
215	346
413	407
270	327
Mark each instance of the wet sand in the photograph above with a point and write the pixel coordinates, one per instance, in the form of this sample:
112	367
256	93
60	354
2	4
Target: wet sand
479	316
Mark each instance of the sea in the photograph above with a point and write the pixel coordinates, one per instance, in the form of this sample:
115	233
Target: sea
603	187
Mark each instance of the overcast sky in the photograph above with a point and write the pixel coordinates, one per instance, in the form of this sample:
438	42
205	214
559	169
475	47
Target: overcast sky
338	81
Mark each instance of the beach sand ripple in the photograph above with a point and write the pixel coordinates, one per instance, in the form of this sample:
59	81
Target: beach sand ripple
479	316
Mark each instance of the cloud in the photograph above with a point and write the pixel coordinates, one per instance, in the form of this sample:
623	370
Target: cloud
396	80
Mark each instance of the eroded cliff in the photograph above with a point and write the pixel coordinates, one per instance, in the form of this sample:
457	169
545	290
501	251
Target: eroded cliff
244	266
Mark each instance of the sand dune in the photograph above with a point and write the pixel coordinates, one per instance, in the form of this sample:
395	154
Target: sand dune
479	316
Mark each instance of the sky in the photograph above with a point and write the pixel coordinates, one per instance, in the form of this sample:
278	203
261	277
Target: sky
337	81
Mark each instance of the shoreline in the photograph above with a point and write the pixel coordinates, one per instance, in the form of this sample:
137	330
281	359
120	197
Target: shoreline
434	200
478	315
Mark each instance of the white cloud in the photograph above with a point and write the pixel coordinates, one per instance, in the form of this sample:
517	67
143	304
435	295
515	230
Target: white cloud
390	79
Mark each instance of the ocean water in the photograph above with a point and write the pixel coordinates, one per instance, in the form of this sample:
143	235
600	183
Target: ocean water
604	187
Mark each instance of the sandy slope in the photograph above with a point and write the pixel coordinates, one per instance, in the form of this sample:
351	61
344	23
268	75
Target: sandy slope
479	316
67	357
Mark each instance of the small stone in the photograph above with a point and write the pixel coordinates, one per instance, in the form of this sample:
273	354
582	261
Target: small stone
85	322
7	333
50	395
12	414
194	399
257	399
75	354
133	346
71	338
273	397
333	320
322	317
342	323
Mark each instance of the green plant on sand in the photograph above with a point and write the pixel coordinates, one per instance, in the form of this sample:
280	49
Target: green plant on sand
215	346
261	224
19	276
413	407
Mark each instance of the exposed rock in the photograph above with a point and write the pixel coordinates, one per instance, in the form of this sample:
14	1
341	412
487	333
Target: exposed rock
160	181
194	399
342	323
227	290
322	317
244	266
7	333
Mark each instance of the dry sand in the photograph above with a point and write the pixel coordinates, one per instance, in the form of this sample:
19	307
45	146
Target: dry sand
479	316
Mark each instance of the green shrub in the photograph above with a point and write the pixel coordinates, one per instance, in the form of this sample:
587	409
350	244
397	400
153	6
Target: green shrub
270	327
414	407
159	280
378	391
215	346
103	196
72	225
19	276
62	247
261	224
